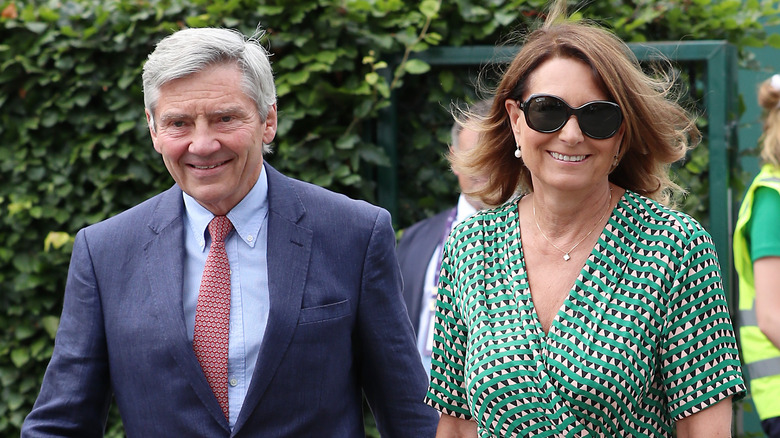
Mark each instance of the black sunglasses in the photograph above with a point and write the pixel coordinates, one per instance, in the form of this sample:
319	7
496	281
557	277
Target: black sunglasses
547	113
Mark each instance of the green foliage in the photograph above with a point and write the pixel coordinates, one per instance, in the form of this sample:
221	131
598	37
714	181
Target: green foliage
75	148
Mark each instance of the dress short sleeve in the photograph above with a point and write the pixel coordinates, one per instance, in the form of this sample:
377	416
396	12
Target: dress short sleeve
700	361
447	391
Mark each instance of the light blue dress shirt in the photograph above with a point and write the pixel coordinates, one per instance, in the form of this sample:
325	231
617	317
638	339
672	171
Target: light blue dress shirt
249	300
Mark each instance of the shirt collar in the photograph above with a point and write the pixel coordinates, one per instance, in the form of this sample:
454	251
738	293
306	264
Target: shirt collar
464	209
247	216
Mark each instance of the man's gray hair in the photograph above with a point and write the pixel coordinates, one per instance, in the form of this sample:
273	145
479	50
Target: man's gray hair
479	109
191	51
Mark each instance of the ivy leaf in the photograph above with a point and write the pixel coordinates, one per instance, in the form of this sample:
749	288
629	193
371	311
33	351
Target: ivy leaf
372	77
447	80
348	142
323	180
197	21
265	10
126	126
430	8
36	27
362	110
15	401
297	77
56	239
50	324
23	331
39	345
774	40
416	66
20	356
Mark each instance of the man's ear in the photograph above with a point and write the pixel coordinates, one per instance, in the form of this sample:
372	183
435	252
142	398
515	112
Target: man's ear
152	131
269	130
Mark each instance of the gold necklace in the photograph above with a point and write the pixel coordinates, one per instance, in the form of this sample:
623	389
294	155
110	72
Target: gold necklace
566	255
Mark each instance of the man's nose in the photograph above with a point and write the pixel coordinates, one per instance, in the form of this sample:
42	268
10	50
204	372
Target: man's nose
204	141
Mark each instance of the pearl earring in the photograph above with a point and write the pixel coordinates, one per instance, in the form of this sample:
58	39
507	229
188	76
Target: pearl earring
518	152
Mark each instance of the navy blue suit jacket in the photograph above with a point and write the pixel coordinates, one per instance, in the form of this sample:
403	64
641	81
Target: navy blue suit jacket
415	249
337	327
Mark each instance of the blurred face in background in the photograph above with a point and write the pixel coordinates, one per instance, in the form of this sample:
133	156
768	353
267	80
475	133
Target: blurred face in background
467	140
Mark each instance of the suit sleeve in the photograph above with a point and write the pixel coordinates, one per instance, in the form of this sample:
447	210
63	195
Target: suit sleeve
392	374
75	394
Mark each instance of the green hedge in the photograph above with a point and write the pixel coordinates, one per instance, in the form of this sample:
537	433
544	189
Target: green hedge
74	147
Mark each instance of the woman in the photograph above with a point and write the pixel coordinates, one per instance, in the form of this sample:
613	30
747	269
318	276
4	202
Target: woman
757	259
585	307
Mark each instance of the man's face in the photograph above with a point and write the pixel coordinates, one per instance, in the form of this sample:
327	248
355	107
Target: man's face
467	140
211	137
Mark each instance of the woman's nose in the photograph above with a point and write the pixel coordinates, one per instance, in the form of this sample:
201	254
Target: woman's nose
571	132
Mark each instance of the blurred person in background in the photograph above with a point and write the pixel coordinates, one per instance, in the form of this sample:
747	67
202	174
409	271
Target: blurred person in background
420	247
757	260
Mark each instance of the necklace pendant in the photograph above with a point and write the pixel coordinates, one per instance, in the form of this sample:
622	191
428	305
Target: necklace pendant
566	257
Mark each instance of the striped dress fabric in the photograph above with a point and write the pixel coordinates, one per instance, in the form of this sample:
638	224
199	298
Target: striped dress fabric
643	339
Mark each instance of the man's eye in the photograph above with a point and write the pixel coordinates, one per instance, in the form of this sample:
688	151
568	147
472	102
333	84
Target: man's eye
178	124
226	118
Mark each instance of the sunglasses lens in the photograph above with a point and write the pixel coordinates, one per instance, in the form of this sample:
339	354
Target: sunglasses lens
546	113
600	119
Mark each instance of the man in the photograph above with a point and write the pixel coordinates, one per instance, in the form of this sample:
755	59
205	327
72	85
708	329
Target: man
276	329
420	248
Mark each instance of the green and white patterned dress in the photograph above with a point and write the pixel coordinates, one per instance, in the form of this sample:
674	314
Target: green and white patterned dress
643	339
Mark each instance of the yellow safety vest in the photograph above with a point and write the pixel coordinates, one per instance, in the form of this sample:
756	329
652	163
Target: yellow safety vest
761	357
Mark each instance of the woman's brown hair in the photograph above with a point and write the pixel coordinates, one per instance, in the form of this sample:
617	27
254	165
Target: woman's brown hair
658	130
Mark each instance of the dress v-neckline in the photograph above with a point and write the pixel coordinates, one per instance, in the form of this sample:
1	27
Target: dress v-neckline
525	285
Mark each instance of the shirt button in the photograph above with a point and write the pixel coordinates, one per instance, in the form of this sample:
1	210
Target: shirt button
249	238
233	382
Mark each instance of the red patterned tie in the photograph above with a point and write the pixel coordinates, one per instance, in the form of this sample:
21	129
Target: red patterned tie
212	315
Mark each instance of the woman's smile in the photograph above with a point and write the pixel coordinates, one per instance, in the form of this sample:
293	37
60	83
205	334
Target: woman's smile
570	158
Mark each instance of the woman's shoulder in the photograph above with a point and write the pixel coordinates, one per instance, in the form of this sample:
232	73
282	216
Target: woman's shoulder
498	214
652	217
494	220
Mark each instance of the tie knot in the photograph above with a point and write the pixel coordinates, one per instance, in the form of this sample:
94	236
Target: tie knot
219	227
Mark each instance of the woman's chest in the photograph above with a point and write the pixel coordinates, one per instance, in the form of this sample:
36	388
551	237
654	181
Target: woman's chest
601	341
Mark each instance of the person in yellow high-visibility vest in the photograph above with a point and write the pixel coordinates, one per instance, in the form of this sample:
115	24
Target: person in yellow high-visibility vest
757	260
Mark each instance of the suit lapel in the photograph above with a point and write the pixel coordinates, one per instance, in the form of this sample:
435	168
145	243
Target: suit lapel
289	249
165	253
